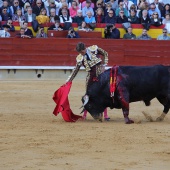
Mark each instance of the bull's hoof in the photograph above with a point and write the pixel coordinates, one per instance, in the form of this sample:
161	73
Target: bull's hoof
107	119
100	120
159	119
129	121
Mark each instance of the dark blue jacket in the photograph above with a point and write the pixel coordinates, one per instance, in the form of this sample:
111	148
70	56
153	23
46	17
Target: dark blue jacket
110	20
115	34
76	35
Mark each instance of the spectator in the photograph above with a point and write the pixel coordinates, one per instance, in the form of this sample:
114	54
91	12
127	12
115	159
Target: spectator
73	9
158	5
155	21
23	2
22	34
144	35
121	8
79	18
89	18
141	4
133	8
72	33
108	8
100	16
110	19
65	16
114	4
5	32
84	27
99	4
129	34
26	5
133	19
77	1
83	4
10	24
127	4
166	10
6	5
43	18
111	32
18	17
121	18
87	8
5	16
145	20
28	31
64	6
153	9
50	4
41	33
16	6
53	16
37	8
145	6
167	19
29	16
56	26
164	36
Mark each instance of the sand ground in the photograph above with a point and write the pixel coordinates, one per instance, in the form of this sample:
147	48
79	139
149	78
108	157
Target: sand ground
32	138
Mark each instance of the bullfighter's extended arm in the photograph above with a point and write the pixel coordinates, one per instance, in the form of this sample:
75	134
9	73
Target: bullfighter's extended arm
74	72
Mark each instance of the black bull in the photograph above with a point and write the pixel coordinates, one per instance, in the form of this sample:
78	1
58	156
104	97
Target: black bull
134	83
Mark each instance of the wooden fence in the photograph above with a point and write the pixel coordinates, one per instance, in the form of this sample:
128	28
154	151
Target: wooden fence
61	51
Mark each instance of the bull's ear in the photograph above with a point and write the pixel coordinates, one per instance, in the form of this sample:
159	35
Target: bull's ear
86	99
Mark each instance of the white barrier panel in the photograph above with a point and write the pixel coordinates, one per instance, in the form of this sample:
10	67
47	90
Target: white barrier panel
38	72
41	74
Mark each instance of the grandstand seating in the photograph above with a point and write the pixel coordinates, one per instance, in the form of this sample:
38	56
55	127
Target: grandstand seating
137	29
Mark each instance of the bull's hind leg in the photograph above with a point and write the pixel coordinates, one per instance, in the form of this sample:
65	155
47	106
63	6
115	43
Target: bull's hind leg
166	108
165	111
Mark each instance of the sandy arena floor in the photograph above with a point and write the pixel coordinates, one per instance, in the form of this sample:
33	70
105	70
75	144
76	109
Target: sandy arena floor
32	138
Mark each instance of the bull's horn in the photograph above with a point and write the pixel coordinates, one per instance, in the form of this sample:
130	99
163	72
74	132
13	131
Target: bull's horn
83	110
86	99
81	106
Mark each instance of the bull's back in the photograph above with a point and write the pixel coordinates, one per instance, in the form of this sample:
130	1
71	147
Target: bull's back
145	82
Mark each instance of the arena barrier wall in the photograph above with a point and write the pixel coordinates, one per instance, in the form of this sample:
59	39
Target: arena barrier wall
55	57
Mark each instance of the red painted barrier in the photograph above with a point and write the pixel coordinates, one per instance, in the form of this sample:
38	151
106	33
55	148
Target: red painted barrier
61	51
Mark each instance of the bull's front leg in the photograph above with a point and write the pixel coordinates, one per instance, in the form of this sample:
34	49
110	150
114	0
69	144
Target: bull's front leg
124	100
126	116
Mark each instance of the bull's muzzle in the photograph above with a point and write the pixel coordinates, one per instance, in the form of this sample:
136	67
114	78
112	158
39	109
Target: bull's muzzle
98	117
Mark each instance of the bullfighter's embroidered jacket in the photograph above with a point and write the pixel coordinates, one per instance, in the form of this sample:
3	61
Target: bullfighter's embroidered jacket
89	60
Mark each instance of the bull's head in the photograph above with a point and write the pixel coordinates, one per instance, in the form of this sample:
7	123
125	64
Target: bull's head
94	106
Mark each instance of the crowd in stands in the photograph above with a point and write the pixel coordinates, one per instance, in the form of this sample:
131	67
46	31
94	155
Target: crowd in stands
86	13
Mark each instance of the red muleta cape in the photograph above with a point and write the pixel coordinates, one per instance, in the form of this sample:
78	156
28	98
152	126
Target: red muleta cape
61	99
